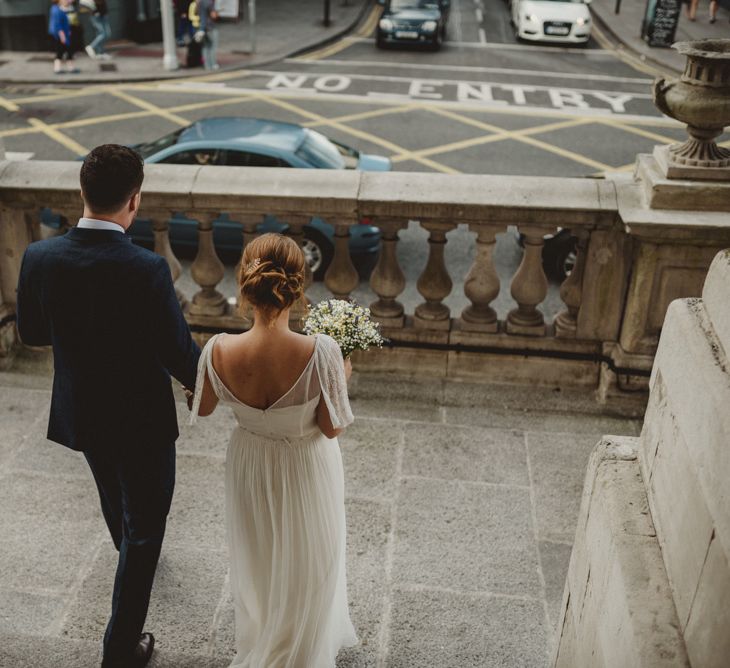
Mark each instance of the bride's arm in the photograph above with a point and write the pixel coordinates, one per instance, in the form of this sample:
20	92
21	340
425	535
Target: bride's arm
208	399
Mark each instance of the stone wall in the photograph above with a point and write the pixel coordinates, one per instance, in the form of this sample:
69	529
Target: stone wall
649	577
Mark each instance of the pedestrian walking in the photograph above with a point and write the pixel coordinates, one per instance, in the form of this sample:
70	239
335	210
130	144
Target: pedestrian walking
195	45
77	31
100	21
692	14
184	29
209	27
59	29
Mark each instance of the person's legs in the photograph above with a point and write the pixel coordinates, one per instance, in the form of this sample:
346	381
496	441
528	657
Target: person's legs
693	9
97	44
106	477
147	480
60	53
211	61
713	11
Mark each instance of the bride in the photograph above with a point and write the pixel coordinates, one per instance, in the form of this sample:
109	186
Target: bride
285	510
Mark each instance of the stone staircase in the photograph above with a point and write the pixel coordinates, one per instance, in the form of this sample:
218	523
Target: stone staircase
649	582
461	505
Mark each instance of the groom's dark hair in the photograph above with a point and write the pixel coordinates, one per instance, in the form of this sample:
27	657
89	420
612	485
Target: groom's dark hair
110	176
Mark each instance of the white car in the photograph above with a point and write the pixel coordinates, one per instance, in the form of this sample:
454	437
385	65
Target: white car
552	20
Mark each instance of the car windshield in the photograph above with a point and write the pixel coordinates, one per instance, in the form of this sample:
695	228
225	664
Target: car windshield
413	4
150	148
319	151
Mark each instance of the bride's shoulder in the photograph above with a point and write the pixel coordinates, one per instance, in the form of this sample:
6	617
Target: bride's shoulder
326	341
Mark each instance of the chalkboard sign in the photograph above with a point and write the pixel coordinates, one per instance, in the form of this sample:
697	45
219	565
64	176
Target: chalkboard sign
660	22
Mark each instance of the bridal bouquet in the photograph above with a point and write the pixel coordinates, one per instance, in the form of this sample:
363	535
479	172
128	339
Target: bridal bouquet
347	323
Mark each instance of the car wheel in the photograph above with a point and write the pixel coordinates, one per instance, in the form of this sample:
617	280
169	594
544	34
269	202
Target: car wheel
318	252
379	41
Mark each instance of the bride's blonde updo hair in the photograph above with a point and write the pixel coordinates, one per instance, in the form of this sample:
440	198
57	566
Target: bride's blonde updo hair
271	277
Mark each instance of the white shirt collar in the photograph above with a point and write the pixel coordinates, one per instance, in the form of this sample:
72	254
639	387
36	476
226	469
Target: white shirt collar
94	224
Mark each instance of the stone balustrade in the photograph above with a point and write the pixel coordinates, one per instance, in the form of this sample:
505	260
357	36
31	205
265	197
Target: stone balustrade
631	260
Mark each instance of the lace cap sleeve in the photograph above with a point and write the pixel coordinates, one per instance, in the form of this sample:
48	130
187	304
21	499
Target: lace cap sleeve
331	371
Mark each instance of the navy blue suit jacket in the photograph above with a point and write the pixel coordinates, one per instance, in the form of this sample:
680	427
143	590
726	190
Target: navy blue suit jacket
110	312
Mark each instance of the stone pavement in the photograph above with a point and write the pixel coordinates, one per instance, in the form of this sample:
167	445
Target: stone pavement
625	29
283	28
461	504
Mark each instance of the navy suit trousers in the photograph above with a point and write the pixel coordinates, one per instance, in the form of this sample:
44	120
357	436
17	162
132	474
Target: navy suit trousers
135	488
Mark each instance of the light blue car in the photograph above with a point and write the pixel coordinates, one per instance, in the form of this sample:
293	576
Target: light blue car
253	142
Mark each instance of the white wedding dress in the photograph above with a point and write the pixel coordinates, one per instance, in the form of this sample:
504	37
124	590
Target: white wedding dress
285	516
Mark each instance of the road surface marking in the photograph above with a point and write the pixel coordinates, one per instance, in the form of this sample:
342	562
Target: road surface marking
375	113
628	58
295	80
639	131
9	105
482	36
341	44
153	108
457	23
73	146
367	28
480	16
360	134
524	136
477	69
529	111
510	47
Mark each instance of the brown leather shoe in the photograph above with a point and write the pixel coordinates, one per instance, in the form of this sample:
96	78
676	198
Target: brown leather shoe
140	657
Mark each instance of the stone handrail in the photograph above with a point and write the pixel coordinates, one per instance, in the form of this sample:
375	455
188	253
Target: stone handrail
611	304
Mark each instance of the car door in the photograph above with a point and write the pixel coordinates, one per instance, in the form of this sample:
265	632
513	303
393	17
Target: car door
239	158
251	158
183	230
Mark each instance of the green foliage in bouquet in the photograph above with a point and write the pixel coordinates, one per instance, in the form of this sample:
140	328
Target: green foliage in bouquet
346	322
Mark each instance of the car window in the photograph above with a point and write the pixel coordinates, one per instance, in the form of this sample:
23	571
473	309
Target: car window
414	4
147	149
320	152
200	156
251	159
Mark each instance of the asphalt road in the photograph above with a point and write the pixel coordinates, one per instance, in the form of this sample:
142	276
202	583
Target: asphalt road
484	104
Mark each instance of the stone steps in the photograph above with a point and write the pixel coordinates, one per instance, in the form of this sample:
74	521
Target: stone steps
685	460
617	606
649	577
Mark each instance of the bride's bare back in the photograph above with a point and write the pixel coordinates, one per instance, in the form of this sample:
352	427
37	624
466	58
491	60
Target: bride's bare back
259	367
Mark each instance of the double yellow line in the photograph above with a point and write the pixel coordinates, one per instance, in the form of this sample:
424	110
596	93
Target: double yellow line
364	30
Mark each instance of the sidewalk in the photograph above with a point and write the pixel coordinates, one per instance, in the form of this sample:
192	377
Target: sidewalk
283	28
625	28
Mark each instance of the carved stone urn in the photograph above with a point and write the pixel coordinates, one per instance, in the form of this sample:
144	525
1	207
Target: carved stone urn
701	99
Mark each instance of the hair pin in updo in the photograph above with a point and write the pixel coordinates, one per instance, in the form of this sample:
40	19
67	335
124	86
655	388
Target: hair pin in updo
253	264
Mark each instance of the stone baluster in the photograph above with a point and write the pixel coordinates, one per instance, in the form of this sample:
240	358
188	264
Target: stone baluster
529	287
299	310
387	280
207	271
571	291
434	284
161	230
341	277
250	224
15	236
482	284
69	219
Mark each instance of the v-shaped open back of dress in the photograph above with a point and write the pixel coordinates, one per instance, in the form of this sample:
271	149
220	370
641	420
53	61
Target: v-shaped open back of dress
285	517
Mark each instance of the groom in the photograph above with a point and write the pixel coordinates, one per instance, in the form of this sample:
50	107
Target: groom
110	312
